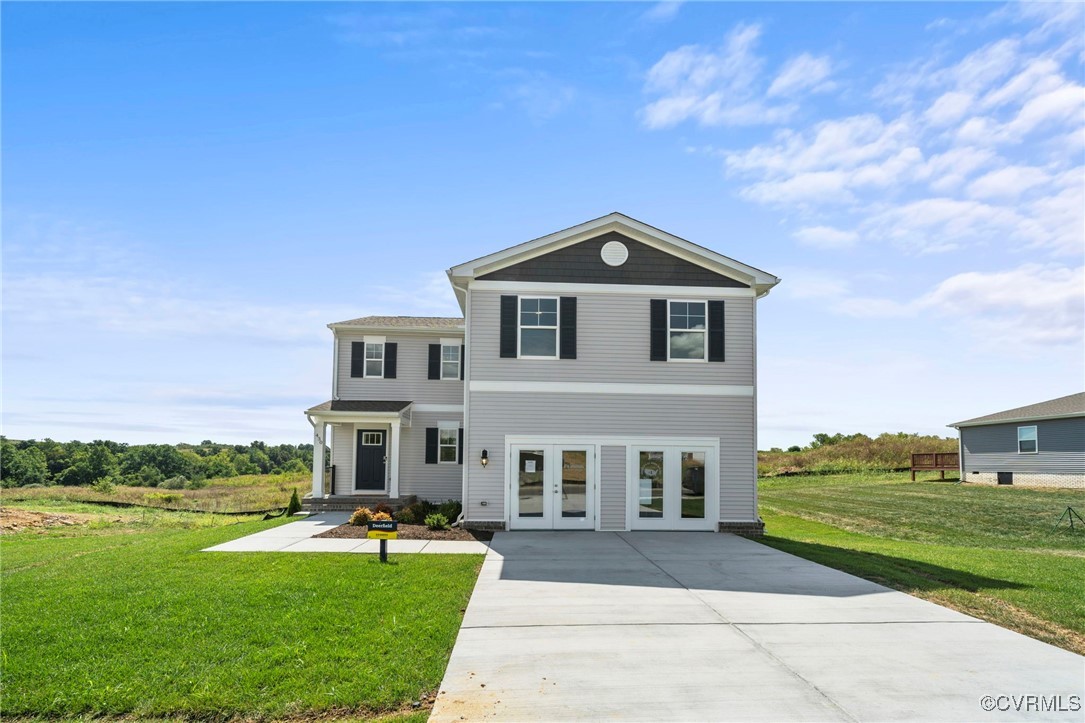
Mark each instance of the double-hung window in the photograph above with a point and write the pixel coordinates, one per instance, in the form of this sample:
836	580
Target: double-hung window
538	328
1027	442
450	361
448	443
374	359
686	331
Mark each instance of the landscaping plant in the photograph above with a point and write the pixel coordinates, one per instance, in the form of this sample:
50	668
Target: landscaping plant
361	516
437	521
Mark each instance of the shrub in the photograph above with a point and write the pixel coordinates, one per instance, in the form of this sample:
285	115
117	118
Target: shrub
437	521
150	476
450	509
361	516
165	498
405	515
105	486
421	509
174	483
294	506
195	484
382	507
381	516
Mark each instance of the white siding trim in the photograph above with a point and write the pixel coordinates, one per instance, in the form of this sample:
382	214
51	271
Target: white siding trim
437	407
631	289
700	390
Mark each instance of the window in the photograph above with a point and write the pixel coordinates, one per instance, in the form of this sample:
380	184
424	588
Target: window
372	439
374	360
686	331
539	328
448	442
1026	440
450	361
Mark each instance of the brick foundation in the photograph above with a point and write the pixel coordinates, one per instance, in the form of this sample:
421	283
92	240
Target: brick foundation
749	529
1029	479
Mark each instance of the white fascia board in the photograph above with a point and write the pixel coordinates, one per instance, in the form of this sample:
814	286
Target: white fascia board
671	292
397	330
701	390
1016	420
636	230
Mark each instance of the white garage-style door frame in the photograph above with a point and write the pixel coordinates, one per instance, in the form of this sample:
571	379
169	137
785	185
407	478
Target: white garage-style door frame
543	482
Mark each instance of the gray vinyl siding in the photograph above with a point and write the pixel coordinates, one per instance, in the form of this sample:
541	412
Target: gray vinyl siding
612	488
412	371
343	441
434	482
496	414
612	344
993	448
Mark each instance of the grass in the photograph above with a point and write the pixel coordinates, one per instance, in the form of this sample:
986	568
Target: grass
987	551
129	621
222	494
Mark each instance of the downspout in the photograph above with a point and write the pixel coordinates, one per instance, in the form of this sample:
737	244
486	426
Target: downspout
466	410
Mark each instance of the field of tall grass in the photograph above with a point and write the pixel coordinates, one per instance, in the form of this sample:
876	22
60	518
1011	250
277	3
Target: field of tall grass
832	454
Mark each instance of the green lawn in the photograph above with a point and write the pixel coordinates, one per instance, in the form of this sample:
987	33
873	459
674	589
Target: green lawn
129	621
990	552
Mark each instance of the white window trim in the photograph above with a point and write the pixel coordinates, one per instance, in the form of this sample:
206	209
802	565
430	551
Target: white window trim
704	357
556	327
441	427
1036	434
367	340
457	344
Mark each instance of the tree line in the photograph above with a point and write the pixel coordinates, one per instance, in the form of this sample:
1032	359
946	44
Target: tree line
47	462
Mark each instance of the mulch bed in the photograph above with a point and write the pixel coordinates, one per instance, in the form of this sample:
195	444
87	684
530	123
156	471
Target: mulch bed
410	532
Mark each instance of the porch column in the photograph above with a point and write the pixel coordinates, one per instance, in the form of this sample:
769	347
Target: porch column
393	462
318	459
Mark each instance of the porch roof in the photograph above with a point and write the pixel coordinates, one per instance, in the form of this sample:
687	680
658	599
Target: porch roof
359	406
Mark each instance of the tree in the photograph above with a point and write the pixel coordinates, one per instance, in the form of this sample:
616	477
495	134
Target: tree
20	467
90	464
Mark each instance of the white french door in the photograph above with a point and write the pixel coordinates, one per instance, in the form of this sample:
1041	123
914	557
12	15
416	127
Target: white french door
552	487
673	487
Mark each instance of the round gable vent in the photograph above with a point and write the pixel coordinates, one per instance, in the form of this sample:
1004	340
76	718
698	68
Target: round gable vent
614	253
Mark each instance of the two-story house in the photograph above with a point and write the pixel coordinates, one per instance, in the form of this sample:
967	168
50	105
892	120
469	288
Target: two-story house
602	378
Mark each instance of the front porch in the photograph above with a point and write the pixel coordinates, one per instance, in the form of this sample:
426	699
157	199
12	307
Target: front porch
349	503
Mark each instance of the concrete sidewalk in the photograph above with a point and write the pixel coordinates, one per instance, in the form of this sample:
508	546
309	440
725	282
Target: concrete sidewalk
698	626
300	536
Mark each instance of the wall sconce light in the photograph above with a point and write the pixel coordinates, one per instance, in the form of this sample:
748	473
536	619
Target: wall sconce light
485	458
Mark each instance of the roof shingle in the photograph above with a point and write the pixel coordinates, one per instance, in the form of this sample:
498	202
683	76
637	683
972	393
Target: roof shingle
1068	406
404	322
356	405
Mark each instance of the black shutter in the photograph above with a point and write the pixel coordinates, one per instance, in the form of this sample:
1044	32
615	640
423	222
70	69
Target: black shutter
509	313
431	445
434	361
658	333
460	454
568	328
463	359
715	331
357	358
391	352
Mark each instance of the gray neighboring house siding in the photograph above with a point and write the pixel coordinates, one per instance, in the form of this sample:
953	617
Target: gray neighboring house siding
993	448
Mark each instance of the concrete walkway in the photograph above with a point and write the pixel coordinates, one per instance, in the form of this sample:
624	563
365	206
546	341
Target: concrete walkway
300	536
656	626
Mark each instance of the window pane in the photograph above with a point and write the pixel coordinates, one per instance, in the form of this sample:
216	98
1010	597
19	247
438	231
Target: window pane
549	318
529	318
450	370
574	483
374	368
1027	445
529	305
450	353
374	351
687	345
538	342
678	308
530	483
678	322
650	492
1026	433
693	473
548	305
450	436
448	454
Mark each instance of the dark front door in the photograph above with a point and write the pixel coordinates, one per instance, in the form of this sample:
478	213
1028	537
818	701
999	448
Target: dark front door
369	474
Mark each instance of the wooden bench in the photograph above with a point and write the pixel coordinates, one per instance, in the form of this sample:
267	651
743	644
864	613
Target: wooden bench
935	462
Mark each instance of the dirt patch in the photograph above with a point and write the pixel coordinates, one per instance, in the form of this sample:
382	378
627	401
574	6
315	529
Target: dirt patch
410	532
16	520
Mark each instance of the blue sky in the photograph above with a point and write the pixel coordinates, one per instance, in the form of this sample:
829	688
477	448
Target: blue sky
192	191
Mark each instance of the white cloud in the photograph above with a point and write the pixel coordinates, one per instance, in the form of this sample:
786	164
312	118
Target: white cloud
1008	182
949	108
801	73
661	12
712	86
826	237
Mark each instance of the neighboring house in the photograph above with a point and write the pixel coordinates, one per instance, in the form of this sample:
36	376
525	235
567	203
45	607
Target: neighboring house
1041	445
608	383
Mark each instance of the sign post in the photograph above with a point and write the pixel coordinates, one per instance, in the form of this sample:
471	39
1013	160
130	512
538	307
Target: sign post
382	530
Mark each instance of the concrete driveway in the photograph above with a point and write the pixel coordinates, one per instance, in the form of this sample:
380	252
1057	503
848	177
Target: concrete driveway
678	626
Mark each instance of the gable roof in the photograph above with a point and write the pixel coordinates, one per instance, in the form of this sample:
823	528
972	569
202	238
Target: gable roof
359	406
402	323
761	281
1072	405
